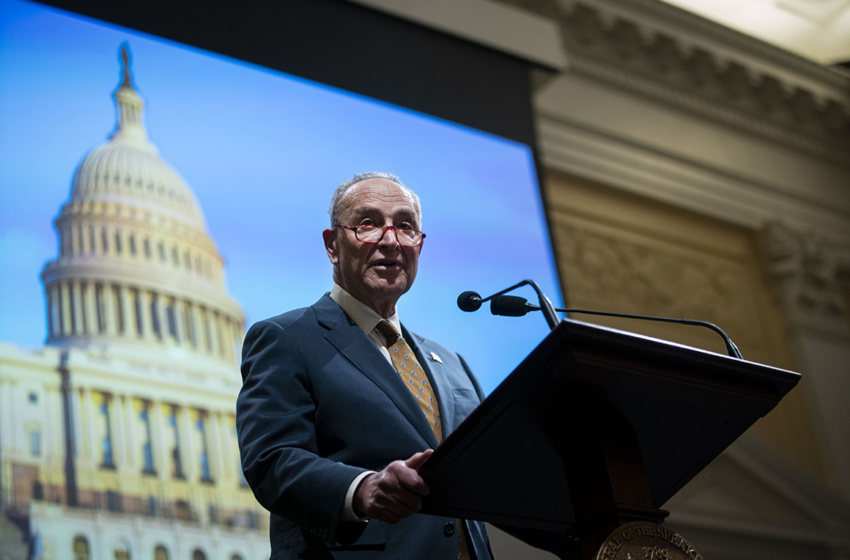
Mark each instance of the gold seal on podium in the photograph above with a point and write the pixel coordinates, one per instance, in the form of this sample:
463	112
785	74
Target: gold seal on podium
641	540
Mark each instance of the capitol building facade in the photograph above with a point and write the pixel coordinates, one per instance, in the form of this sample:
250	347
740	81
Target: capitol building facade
117	439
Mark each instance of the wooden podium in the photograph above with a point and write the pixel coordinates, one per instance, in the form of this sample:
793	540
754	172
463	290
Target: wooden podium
597	428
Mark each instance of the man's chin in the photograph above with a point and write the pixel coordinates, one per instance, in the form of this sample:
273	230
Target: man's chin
386	288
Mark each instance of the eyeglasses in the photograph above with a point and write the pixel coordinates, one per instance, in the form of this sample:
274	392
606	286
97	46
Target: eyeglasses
373	234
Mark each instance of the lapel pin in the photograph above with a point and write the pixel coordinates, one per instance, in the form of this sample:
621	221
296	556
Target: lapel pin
436	358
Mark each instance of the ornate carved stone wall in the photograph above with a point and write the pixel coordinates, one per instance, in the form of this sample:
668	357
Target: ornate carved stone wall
811	276
619	252
668	54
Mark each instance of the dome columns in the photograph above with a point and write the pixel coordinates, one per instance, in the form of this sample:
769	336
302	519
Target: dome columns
87	310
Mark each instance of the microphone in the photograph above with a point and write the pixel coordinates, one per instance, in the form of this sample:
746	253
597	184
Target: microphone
469	301
511	306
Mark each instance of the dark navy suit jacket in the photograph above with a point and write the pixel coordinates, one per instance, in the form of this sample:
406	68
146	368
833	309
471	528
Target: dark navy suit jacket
319	405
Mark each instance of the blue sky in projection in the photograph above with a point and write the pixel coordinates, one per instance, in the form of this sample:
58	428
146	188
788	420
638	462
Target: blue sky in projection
262	151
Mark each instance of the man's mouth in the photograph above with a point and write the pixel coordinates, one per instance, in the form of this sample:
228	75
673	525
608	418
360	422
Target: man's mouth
386	264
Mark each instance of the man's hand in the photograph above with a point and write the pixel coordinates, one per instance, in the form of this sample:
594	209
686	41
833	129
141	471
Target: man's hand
394	493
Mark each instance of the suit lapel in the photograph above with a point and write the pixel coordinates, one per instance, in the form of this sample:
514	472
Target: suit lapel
352	342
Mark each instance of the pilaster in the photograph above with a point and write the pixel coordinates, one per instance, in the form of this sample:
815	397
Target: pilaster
810	276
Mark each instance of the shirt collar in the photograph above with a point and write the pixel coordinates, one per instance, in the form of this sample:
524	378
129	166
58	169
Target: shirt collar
365	317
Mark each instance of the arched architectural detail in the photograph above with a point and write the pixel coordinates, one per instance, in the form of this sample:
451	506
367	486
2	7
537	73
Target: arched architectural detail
160	552
121	551
80	548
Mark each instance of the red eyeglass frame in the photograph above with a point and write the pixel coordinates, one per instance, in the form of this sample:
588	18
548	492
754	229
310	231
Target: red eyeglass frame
383	233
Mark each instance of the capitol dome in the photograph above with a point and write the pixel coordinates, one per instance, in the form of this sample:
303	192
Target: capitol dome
136	265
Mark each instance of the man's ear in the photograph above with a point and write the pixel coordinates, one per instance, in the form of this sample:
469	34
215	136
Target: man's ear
329	236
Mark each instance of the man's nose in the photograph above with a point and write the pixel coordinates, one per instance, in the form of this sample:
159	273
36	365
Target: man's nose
387	240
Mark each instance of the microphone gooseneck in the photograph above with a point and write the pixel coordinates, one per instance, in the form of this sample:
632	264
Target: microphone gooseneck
515	306
731	349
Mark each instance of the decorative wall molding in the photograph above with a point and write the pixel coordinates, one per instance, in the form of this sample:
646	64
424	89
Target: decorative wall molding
611	271
573	148
811	276
675	57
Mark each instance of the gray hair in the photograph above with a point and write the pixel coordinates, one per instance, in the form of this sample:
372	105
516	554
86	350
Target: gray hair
340	191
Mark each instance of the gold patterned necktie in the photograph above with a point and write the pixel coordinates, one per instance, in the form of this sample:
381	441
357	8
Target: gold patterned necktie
412	374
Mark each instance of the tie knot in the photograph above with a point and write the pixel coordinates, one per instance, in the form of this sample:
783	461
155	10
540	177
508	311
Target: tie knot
388	330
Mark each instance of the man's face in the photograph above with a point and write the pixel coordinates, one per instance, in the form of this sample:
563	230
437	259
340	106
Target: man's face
377	274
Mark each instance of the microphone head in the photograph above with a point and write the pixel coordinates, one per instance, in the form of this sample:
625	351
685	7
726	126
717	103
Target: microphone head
469	301
510	306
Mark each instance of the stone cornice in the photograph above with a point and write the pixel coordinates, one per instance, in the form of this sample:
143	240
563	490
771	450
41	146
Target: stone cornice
692	31
683	60
570	147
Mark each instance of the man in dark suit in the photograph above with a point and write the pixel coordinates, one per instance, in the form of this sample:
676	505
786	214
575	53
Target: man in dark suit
335	414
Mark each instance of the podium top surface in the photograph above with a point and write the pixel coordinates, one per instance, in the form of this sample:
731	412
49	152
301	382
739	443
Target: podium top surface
505	462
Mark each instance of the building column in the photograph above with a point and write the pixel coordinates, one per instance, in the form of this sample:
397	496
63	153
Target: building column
118	432
7	428
54	431
238	335
128	305
80	451
214	334
53	310
65	301
90	416
179	321
110	242
145	310
77	306
187	449
191	327
214	445
134	450
227	451
228	339
7	441
90	301
109	309
200	333
75	239
162	317
84	240
158	447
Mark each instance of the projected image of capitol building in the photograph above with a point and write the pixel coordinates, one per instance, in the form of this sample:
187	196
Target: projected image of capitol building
117	439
